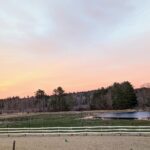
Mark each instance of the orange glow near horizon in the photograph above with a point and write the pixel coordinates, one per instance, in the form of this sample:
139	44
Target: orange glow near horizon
80	45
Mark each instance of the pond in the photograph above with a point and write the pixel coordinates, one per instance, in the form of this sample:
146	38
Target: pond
124	115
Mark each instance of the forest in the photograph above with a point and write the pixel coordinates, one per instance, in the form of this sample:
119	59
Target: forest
117	96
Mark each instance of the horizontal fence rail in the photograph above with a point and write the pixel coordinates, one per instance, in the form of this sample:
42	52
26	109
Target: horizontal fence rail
87	130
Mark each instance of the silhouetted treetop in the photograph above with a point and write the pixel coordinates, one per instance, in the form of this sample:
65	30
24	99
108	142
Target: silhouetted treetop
40	93
59	91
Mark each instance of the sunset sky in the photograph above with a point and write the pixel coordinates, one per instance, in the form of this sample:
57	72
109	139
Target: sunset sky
77	44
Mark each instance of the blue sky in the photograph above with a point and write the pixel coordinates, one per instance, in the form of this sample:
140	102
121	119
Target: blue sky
80	45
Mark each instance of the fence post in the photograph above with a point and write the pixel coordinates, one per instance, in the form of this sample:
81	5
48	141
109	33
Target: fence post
14	145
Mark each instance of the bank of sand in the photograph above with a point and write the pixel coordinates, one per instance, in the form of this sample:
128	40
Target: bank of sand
77	143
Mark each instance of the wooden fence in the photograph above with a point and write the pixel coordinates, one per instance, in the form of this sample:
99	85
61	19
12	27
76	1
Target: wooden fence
86	130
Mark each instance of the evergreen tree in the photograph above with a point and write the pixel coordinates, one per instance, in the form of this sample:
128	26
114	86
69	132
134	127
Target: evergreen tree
123	96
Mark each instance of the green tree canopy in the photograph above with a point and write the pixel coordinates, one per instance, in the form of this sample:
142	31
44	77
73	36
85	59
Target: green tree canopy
123	96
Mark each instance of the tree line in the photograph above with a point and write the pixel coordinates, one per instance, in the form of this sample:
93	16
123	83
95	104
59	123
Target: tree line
118	96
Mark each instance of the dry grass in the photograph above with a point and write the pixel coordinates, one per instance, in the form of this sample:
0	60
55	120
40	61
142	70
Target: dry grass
77	143
13	115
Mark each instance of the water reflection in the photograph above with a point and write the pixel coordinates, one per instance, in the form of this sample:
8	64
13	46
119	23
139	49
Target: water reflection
124	115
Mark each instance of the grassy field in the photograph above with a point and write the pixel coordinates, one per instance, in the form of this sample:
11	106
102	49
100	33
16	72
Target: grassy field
62	120
77	142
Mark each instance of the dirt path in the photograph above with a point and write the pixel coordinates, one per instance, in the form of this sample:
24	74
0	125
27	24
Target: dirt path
77	143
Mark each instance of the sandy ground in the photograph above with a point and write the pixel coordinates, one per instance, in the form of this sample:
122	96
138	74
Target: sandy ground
77	143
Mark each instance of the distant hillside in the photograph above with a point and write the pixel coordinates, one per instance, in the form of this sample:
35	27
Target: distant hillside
117	96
